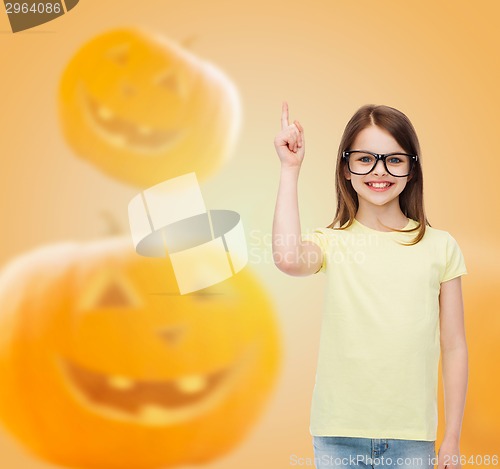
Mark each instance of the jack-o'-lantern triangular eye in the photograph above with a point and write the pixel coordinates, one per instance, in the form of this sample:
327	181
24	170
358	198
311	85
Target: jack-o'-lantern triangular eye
168	80
113	296
119	54
173	334
107	290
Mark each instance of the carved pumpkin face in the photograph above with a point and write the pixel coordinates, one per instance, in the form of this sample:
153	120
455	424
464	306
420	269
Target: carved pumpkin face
99	353
142	109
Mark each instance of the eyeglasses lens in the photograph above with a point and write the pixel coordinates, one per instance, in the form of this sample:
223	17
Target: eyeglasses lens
362	163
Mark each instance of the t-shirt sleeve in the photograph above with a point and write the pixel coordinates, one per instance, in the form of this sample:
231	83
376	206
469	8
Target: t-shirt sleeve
455	263
319	237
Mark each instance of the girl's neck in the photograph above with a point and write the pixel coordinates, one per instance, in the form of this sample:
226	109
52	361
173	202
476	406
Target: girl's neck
372	217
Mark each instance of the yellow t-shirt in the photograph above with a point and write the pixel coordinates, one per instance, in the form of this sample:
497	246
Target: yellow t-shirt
377	370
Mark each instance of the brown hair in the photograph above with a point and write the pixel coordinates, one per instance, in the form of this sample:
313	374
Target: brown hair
411	199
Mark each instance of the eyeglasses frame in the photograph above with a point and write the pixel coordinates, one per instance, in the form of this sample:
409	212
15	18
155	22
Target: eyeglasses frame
379	156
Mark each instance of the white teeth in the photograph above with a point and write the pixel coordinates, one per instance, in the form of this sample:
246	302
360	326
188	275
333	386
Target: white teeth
120	382
191	384
187	384
105	113
379	185
153	414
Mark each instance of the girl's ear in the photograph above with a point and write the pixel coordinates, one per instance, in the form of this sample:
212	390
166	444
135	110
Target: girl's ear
347	174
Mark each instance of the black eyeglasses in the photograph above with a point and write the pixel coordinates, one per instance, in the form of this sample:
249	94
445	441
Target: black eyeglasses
362	162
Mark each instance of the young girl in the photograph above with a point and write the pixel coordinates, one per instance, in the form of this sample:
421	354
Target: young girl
393	301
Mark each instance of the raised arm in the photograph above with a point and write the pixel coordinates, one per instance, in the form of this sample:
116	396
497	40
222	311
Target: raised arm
290	254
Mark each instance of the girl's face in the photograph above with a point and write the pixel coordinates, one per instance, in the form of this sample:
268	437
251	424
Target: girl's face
376	140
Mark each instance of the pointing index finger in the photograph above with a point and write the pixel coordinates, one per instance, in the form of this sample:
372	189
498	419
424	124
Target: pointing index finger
284	115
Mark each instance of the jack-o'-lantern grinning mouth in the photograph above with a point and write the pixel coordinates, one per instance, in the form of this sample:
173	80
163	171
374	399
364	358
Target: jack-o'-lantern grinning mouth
153	402
123	133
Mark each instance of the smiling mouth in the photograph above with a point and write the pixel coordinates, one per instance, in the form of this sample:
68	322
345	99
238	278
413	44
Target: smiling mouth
152	402
123	133
379	186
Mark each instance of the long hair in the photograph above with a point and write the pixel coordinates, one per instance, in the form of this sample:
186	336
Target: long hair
411	199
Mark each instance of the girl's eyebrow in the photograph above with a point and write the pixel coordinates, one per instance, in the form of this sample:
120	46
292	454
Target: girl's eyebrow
390	153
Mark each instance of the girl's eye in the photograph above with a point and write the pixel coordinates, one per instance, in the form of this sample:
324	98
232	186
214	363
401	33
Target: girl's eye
394	160
366	159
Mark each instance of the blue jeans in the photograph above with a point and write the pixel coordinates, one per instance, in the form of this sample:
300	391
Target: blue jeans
342	452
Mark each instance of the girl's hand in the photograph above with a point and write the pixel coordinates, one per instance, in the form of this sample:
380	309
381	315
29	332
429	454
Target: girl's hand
449	455
289	143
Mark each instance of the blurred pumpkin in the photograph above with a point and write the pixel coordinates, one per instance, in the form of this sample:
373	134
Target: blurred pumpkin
143	109
104	365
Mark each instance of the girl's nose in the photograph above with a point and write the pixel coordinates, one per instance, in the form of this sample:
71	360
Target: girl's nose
379	168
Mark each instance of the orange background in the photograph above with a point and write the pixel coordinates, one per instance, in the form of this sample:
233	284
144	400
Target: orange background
436	61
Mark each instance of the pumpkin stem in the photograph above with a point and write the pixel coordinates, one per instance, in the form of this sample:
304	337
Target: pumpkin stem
113	227
188	42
